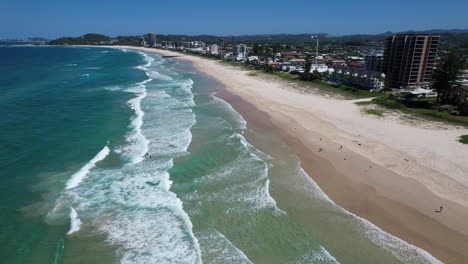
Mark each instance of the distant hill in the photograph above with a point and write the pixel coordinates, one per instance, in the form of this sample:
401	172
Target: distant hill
88	39
430	31
459	37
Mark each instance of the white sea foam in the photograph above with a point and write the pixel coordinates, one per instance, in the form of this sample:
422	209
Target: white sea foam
218	249
148	59
171	120
313	189
402	250
180	90
317	256
255	155
85	74
135	208
75	222
76	178
244	179
185	91
71	65
93	68
139	144
113	88
133	205
235	118
157	76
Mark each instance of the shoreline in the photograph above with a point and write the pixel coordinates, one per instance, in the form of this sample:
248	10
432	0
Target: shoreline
362	176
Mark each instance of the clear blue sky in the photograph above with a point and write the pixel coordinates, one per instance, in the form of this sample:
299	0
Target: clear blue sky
54	18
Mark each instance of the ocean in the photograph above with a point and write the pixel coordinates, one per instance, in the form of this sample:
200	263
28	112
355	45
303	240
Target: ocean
121	156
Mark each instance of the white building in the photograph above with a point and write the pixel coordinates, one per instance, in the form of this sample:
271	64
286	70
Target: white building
197	44
214	49
319	66
240	52
253	58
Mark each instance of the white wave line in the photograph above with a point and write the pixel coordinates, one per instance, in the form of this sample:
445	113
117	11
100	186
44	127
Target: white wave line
389	242
75	222
76	178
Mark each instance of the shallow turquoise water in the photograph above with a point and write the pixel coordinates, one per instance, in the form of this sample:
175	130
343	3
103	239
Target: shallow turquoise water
115	156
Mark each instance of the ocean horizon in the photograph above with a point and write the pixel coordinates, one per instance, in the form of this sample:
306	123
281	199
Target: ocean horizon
113	155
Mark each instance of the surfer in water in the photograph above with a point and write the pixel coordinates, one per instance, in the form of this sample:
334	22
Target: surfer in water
440	210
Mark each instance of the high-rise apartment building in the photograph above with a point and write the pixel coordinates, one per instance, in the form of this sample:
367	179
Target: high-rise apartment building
151	39
409	59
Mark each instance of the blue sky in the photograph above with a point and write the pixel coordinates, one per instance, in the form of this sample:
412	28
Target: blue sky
54	18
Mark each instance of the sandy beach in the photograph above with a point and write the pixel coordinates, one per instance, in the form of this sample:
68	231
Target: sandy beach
393	173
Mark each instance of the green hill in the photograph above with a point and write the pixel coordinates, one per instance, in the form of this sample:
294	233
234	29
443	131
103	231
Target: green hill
88	39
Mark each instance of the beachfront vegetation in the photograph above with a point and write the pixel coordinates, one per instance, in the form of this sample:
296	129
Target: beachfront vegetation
464	139
422	107
373	112
445	80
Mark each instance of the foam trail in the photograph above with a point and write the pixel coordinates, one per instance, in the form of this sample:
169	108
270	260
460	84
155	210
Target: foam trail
219	249
317	256
158	76
253	153
240	122
76	178
139	144
75	222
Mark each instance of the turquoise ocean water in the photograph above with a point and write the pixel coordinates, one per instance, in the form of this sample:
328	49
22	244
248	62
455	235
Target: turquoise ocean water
119	156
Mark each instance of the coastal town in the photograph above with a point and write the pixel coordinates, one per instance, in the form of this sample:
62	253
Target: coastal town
403	61
422	73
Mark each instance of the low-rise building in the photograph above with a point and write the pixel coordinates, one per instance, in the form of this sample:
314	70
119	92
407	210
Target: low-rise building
356	64
373	62
197	44
297	62
321	67
359	78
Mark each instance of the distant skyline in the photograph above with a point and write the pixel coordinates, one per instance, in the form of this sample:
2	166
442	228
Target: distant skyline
53	18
